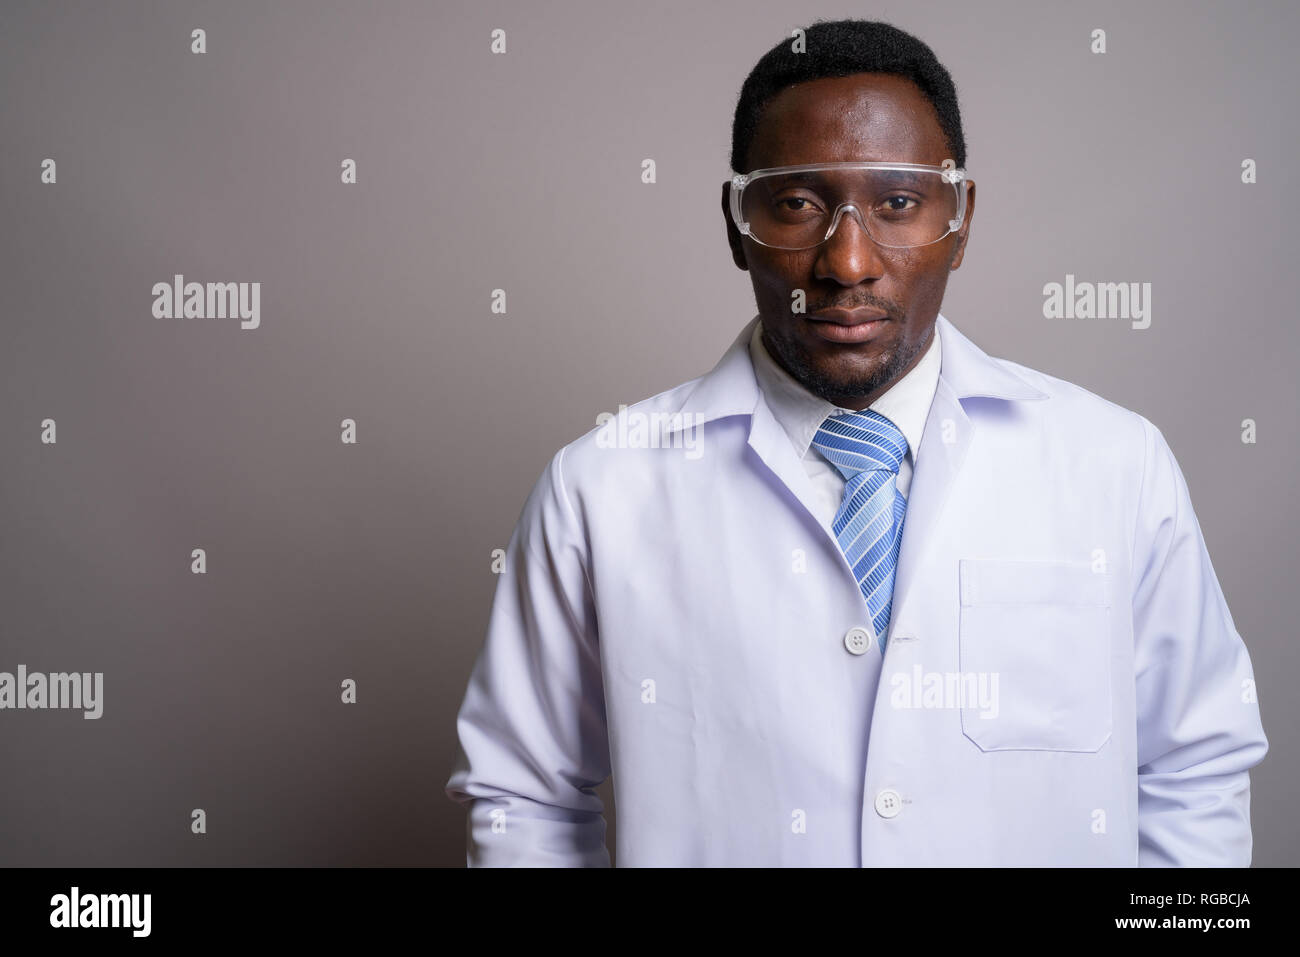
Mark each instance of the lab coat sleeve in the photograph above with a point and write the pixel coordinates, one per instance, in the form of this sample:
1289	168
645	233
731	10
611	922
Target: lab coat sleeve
1198	723
532	739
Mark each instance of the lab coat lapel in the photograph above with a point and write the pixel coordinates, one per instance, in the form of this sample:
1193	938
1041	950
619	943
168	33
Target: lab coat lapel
770	441
965	371
731	388
944	443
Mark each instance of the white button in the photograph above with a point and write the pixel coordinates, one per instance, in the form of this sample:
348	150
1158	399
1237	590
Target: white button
857	640
888	803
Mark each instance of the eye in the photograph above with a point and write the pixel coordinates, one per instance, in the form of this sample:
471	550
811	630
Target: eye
899	199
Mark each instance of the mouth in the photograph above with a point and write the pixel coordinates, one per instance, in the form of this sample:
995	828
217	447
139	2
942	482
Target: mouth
847	325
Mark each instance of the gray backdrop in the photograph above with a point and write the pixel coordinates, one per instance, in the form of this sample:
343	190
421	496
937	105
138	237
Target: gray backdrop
372	561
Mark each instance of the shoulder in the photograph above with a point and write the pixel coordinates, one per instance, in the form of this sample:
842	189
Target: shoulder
1098	435
624	450
1085	419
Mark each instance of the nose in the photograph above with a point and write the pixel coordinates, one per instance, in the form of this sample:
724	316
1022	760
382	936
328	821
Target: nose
849	255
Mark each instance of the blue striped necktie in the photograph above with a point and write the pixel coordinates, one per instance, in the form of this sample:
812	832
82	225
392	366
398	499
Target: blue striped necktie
868	449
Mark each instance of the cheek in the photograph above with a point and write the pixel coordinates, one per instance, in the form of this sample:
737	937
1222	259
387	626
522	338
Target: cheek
779	279
924	279
910	260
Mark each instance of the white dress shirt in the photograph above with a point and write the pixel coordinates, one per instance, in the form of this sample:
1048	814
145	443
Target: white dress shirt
906	403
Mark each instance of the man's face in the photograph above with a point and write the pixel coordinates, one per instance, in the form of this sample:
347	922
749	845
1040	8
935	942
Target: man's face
863	117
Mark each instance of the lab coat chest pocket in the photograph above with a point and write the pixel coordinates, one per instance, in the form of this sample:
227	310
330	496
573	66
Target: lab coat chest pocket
1039	632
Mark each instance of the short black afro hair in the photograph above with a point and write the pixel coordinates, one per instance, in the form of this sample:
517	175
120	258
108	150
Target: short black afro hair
841	48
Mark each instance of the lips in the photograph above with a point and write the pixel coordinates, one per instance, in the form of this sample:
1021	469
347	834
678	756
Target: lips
848	317
848	326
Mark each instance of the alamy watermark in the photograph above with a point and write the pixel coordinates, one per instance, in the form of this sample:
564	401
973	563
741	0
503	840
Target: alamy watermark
76	909
179	299
1100	300
36	690
651	430
945	689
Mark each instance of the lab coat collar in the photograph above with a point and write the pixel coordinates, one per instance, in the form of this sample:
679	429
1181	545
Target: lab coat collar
731	388
970	371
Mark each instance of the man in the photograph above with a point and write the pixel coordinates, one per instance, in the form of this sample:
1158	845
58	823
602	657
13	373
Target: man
862	594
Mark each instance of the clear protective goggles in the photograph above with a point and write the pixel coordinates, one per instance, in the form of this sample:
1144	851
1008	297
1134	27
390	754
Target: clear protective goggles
899	205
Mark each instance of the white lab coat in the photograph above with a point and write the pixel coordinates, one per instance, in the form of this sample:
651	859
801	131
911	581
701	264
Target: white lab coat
679	617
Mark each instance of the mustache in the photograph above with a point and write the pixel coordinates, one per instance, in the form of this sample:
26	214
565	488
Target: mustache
884	307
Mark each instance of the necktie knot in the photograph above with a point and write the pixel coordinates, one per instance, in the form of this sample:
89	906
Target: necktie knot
863	441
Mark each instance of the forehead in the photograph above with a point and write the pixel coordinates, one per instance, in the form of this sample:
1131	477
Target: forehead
865	116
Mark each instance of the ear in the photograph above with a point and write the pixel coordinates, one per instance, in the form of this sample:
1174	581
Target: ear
733	234
964	232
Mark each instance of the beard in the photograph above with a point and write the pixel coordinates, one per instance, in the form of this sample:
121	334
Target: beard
845	387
